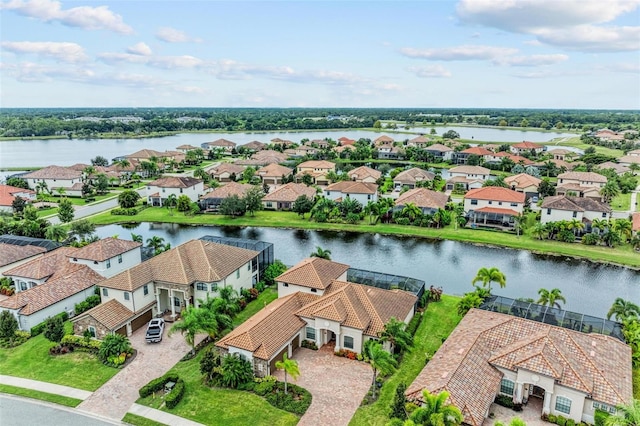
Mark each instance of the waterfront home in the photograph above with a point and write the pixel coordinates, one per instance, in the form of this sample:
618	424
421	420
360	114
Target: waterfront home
619	168
318	143
254	146
517	159
412	177
389	152
440	152
561	154
569	372
467	177
419	141
55	178
284	143
155	156
9	193
186	148
212	200
526	147
108	256
274	173
344	141
283	197
364	174
493	205
463	156
426	200
160	189
317	169
303	150
632	157
262	158
227	172
359	191
565	207
383	140
524	183
581	184
223	144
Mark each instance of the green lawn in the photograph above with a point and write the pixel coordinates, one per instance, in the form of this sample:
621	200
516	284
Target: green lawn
636	383
439	321
42	396
620	255
133	419
267	296
621	202
31	360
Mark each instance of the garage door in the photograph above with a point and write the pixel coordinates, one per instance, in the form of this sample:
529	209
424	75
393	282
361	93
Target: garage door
142	320
122	330
272	364
295	343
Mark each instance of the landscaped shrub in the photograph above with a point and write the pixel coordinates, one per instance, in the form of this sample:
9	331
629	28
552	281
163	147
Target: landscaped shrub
81	343
561	421
309	344
85	305
552	418
571	422
346	353
507	401
264	388
175	396
125	212
8	325
590	239
403	221
600	417
37	329
19	337
296	401
114	350
157	384
413	325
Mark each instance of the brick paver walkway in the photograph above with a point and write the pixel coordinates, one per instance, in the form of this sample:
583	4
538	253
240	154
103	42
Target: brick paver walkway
530	414
337	385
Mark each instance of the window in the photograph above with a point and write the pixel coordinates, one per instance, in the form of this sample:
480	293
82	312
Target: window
490	202
119	258
499	203
514	204
285	285
214	286
563	404
604	215
181	190
604	407
248	266
575	214
126	295
506	387
105	292
23	285
314	290
164	190
202	286
548	211
238	273
92	330
269	204
108	263
348	342
310	333
176	301
145	289
474	202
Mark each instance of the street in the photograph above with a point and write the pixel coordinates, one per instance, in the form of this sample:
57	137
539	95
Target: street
23	412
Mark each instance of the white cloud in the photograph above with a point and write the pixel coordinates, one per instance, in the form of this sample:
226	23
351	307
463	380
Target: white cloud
114	58
140	49
430	71
85	17
590	38
29	72
625	67
163	62
60	51
549	74
171	35
531	61
459	53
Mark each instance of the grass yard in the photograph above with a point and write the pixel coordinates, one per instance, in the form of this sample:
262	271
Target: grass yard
42	396
636	383
621	202
439	321
134	419
31	360
267	296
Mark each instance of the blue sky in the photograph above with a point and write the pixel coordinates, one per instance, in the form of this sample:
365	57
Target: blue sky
465	53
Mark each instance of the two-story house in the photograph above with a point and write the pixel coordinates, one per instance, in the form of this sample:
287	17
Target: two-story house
317	169
581	184
54	178
212	200
359	191
524	183
412	177
419	141
227	172
426	200
108	256
160	189
467	177
286	195
364	174
9	193
493	205
273	174
440	152
565	207
527	147
482	153
223	144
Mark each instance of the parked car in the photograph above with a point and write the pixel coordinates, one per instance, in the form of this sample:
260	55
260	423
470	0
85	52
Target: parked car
155	329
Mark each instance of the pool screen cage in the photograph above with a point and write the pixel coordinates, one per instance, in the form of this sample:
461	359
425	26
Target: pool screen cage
265	258
386	281
18	240
553	316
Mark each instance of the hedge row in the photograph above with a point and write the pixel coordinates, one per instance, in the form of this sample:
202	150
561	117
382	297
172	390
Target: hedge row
38	329
85	305
176	394
563	421
91	345
125	212
413	325
157	384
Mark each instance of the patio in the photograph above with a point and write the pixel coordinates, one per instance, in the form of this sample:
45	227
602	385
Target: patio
530	413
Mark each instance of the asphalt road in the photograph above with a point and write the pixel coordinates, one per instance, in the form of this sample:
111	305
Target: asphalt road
84	211
24	412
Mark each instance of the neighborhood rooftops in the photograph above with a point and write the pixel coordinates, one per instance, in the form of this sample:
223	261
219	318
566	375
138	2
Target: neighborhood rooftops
423	198
10	254
104	249
274	170
363	172
470	170
54	172
222	142
317	164
438	147
313	272
527	145
52	263
583	177
413	175
290	192
522	181
495	193
579	204
7	194
228	190
351	187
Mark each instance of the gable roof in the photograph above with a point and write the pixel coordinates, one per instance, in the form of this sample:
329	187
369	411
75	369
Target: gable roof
438	147
477	150
228	189
364	172
464	365
274	170
52	263
522	180
195	260
470	170
351	187
584	176
527	145
105	248
227	168
222	142
254	145
413	175
383	139
317	164
111	314
495	193
187	147
54	172
290	192
422	139
10	253
580	204
313	272
423	198
175	182
7	194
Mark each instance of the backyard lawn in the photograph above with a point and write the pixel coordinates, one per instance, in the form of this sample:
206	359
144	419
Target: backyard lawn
621	202
267	296
439	321
31	360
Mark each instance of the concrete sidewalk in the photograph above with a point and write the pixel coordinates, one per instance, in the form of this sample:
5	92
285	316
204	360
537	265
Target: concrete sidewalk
45	387
160	416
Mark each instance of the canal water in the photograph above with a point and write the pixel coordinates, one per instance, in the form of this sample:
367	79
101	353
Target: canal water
589	287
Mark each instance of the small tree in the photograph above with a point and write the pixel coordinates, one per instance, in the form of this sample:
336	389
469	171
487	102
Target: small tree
235	371
302	205
253	199
100	161
54	329
18	204
65	211
183	203
290	368
8	325
128	198
399	401
379	359
396	334
233	206
273	271
114	345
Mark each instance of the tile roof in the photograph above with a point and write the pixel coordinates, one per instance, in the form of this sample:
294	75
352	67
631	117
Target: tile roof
560	151
495	193
383	139
414	175
187	147
79	278
497	210
629	159
54	172
477	150
363	172
274	170
222	142
254	145
470	170
423	198
105	248
351	187
317	164
227	168
229	189
269	154
313	272
422	139
465	364
195	260
583	176
290	192
635	222
111	314
10	253
522	181
580	204
175	182
146	154
52	263
527	145
438	147
7	194
346	141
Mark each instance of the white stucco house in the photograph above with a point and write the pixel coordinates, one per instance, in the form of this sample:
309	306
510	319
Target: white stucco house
9	193
564	207
56	177
581	184
160	189
493	205
359	191
108	256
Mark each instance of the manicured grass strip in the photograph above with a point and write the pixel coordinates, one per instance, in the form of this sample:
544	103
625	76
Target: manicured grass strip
636	383
266	297
42	396
621	202
439	321
134	419
31	360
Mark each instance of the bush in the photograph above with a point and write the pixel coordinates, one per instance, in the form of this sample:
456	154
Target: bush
570	422
346	353
38	329
262	389
176	394
125	212
552	418
19	337
297	401
600	417
88	345
590	239
561	421
157	384
507	401
113	348
90	302
413	325
403	221
54	329
309	344
8	325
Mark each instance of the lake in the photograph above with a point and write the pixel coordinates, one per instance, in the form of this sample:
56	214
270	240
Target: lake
589	287
65	152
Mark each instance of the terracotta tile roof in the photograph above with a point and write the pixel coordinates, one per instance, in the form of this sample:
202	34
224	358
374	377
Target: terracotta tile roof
317	164
420	140
464	364
227	168
497	210
105	248
229	189
343	148
290	192
10	253
274	170
79	167
495	193
346	141
583	176
520	159
187	147
270	154
313	272
255	145
351	187
195	260
146	154
363	172
52	263
111	314
383	139
630	159
470	170
477	150
580	204
423	198
522	181
222	142
79	278
54	172
438	147
175	182
527	145
619	168
635	222
560	151
7	194
414	175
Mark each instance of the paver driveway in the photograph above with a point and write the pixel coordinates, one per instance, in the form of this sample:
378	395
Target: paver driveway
114	398
337	385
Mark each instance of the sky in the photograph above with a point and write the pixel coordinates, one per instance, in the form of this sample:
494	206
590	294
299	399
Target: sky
582	54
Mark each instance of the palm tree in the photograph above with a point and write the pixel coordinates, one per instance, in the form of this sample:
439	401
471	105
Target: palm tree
599	224
551	297
411	211
290	367
609	191
199	172
575	225
189	325
622	309
626	415
487	275
136	237
436	412
171	201
372	209
519	222
321	253
155	242
379	359
56	233
539	230
396	334
123	163
624	227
